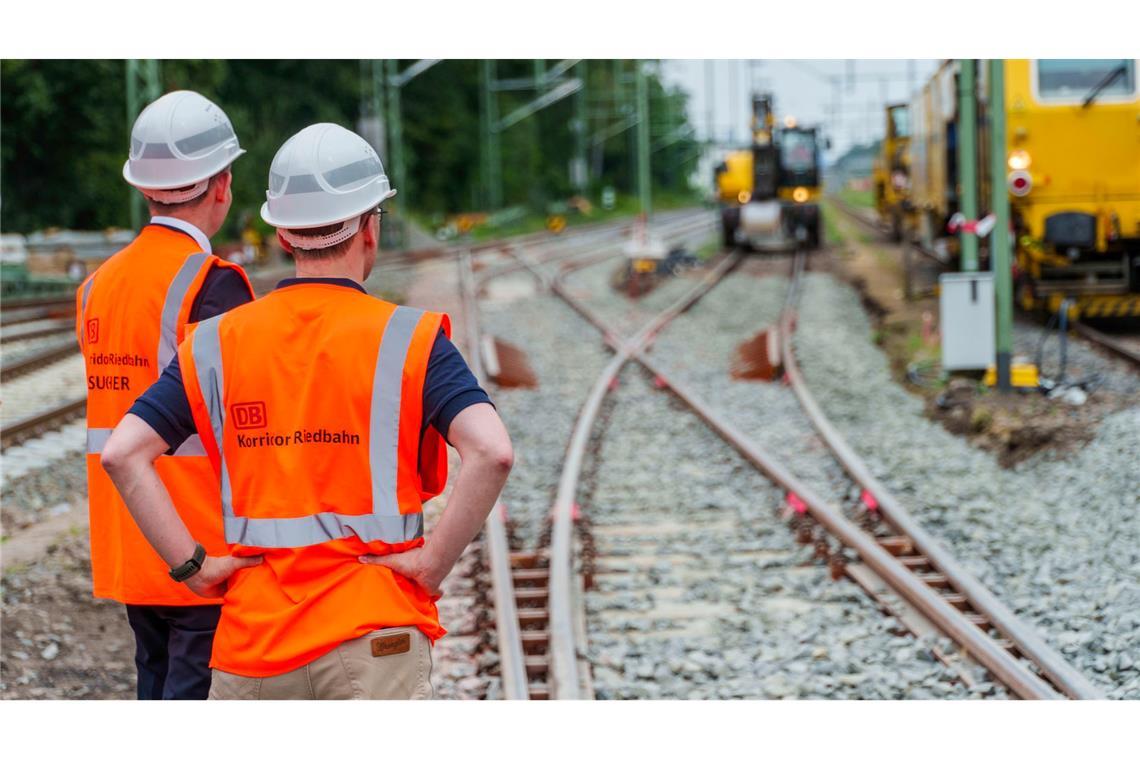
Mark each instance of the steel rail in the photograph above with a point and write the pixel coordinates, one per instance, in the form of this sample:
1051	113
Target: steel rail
873	225
39	359
512	660
678	228
563	650
512	657
1107	342
1027	641
985	649
584	237
34	424
15	302
35	314
57	326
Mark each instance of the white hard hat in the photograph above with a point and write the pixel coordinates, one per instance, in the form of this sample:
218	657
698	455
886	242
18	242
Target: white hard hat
178	140
322	175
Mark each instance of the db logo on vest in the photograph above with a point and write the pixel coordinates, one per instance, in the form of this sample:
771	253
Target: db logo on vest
248	415
93	331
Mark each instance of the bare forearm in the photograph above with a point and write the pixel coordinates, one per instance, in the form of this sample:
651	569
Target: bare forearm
151	507
129	458
480	482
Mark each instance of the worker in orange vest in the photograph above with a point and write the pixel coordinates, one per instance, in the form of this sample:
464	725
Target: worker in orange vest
131	314
324	412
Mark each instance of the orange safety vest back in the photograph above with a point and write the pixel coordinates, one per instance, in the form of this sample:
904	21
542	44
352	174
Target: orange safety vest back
131	313
309	403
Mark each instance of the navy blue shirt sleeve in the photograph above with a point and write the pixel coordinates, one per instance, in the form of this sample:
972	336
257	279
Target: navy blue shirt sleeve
164	405
449	388
165	408
222	290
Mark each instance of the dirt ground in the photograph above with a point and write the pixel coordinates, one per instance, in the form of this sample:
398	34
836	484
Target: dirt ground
1014	427
57	641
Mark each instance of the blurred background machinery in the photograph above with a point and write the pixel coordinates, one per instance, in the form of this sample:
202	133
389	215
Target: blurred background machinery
1072	171
769	194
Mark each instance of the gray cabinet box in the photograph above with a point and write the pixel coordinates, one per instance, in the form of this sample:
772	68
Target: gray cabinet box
966	318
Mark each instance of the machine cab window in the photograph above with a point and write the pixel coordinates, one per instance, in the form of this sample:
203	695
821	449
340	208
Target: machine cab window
900	121
1075	80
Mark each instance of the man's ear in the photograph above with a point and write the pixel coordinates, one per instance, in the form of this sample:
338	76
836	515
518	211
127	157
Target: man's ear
222	185
372	233
284	243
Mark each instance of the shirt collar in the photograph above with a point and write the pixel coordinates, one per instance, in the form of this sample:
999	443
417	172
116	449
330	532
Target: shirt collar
191	230
341	281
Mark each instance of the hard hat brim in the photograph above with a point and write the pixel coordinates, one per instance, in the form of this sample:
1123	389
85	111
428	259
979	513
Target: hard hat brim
134	181
305	224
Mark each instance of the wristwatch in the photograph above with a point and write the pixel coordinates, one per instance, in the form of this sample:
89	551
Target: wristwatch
190	567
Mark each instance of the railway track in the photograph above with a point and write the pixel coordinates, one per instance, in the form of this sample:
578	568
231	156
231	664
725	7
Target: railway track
43	421
898	557
519	581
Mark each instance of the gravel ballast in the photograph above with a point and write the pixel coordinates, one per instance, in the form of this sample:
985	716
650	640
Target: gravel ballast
1058	540
702	591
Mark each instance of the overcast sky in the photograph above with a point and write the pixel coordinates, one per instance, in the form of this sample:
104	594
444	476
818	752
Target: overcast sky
805	89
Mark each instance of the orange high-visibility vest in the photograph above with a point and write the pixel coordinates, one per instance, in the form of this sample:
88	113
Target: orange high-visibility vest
131	313
309	403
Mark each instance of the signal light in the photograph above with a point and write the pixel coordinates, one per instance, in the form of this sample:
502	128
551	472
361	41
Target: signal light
1020	183
1019	160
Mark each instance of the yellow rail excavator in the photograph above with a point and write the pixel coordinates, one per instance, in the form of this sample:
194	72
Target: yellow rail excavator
769	194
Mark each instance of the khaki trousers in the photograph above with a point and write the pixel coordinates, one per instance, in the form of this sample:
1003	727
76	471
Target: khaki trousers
392	663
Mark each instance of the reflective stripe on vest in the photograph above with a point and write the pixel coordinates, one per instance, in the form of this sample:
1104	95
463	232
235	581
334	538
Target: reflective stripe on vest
175	295
97	441
385	523
87	292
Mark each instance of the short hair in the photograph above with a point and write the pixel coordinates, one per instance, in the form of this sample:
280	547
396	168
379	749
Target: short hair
333	251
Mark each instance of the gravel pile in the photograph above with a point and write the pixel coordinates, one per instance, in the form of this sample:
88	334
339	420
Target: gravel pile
702	592
1058	540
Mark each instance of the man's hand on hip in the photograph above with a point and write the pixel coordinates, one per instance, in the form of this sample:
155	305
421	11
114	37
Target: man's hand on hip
211	580
413	564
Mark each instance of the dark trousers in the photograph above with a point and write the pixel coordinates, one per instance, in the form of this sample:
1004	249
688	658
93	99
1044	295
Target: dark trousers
172	649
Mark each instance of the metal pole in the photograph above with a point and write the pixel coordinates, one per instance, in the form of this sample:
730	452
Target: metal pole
968	159
580	177
492	170
377	96
999	240
396	135
147	74
709	138
643	190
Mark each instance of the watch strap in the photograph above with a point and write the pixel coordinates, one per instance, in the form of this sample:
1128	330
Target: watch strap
190	567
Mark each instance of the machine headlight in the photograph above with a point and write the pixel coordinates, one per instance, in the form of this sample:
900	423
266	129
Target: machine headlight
744	196
1019	160
800	194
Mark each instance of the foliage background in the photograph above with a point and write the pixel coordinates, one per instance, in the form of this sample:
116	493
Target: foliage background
64	131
